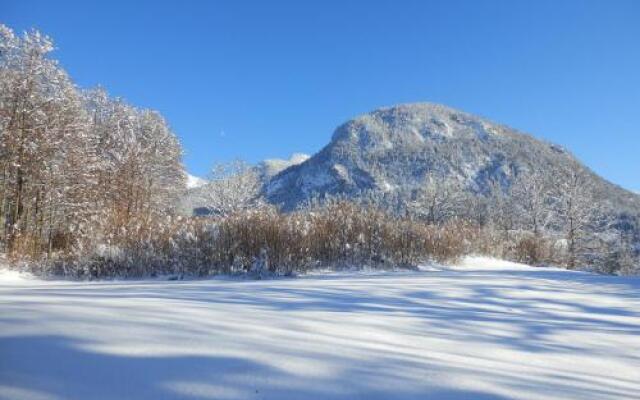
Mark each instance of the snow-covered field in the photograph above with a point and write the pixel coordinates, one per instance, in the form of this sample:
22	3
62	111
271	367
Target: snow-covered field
482	330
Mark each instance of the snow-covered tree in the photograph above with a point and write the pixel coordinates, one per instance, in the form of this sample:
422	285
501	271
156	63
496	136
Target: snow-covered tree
140	167
577	208
532	199
438	199
69	161
44	146
233	187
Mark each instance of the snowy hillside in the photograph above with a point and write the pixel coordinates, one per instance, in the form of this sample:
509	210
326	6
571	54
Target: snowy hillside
194	182
391	151
482	330
273	166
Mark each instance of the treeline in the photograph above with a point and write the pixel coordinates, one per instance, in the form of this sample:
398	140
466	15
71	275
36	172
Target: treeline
77	169
560	218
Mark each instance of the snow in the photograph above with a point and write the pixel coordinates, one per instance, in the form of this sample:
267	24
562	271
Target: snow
484	329
274	166
9	276
194	182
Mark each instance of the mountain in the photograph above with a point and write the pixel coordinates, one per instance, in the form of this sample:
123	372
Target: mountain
393	149
194	200
194	182
272	167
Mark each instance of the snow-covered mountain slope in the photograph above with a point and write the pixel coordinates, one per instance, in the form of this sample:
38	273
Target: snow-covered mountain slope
274	166
481	330
194	182
194	195
194	199
393	149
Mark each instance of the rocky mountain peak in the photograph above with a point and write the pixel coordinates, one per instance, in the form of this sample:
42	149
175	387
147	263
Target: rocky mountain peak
394	149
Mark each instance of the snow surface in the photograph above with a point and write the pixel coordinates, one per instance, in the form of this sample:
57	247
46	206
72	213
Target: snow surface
485	329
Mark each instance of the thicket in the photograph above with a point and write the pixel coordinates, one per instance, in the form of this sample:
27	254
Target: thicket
266	241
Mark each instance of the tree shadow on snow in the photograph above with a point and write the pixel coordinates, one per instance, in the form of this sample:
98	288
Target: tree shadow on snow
60	368
527	316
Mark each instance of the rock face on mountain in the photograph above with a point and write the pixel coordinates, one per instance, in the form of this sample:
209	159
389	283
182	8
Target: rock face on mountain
393	150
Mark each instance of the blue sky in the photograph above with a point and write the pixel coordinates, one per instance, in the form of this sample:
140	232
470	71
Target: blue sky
255	80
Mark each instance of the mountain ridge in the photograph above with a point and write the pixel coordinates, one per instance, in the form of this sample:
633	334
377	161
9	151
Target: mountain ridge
393	149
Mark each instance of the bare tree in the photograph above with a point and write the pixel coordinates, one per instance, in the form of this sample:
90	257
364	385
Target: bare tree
72	162
233	187
501	208
44	146
532	195
577	208
438	199
140	162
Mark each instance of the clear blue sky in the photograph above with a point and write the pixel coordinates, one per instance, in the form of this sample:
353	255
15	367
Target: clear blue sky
264	79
